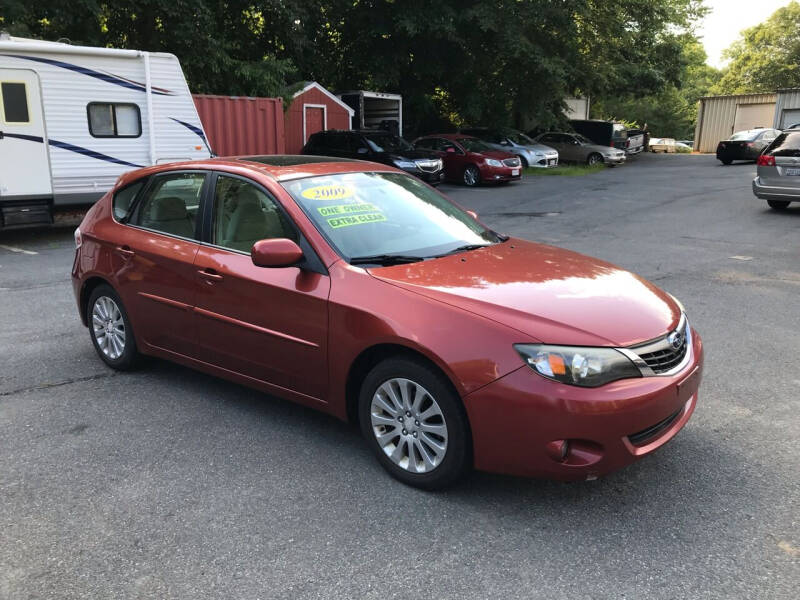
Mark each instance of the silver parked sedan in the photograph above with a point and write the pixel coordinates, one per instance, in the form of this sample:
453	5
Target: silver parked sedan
530	153
778	173
574	147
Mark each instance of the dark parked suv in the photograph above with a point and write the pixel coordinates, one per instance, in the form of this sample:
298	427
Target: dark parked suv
377	146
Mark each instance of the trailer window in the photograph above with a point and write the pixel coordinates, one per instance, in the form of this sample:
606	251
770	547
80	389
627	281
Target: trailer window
114	120
15	102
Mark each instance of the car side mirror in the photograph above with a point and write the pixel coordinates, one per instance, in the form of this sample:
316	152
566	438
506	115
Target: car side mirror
450	150
277	252
363	150
473	214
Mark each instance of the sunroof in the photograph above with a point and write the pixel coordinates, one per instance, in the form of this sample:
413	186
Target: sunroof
288	160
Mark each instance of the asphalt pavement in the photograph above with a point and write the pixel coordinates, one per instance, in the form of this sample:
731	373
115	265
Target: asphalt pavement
167	483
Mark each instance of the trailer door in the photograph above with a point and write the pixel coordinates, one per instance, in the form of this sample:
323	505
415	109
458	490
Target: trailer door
24	159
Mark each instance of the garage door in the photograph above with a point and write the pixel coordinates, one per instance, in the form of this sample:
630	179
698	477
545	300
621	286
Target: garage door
750	116
790	117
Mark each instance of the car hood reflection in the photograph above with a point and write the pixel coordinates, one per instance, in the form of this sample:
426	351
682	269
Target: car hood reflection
550	294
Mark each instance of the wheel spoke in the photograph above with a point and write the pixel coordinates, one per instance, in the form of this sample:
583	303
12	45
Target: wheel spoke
416	444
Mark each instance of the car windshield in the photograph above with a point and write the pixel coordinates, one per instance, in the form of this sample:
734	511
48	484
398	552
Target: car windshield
474	145
387	142
379	214
745	135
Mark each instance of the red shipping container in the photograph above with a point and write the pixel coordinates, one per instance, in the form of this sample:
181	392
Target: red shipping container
238	125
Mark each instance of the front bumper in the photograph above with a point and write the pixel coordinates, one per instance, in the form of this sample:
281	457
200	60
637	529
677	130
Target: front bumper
490	174
518	419
772	192
614	160
548	161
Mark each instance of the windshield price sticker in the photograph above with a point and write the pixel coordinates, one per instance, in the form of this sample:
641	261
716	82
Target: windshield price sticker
346	209
328	192
337	222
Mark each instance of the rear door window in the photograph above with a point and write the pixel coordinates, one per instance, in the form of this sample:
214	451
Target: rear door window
171	204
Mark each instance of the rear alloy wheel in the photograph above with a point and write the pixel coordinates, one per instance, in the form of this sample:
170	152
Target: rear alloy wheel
472	176
778	204
594	159
415	424
110	329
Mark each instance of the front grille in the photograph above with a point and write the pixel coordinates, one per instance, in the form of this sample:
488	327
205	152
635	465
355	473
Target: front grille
511	162
640	437
428	165
662	361
666	353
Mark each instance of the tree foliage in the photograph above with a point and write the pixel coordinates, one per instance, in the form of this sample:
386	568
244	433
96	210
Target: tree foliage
672	110
766	57
455	61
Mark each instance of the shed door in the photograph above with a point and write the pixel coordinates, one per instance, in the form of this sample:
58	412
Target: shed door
24	162
313	120
750	116
790	117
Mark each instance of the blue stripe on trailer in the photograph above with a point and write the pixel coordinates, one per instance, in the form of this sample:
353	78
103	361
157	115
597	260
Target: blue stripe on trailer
73	148
107	77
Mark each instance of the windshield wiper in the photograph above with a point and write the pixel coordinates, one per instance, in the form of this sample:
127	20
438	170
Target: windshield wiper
385	259
464	248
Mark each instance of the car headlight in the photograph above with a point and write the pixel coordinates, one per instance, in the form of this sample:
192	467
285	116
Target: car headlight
493	163
574	365
404	164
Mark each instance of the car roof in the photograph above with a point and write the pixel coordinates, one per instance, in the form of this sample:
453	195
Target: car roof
277	166
450	136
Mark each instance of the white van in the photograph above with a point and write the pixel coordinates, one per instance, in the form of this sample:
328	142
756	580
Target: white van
73	119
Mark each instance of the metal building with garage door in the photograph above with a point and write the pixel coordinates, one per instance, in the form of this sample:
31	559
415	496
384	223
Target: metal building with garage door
720	116
787	108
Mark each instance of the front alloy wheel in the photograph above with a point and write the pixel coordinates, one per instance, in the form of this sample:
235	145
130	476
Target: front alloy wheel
594	159
408	425
415	423
472	176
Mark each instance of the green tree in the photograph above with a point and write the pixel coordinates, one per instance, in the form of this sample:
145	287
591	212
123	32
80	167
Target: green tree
672	110
766	57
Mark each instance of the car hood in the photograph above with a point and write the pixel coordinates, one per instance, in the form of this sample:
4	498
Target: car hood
409	155
539	148
498	154
550	294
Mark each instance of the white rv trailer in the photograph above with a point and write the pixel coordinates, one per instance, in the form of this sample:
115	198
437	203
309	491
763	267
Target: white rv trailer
73	119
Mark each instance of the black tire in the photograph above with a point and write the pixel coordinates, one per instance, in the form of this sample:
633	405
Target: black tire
523	161
594	158
457	458
778	204
471	176
726	161
129	357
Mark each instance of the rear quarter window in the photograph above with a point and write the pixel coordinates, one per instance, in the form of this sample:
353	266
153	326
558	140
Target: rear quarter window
786	144
123	199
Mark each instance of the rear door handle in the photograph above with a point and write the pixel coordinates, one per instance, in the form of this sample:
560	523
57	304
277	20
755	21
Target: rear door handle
125	252
210	275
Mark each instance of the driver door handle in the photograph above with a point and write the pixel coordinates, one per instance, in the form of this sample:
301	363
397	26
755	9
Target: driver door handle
210	275
125	252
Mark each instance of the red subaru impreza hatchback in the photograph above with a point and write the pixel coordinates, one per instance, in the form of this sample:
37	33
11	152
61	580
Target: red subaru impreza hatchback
357	289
